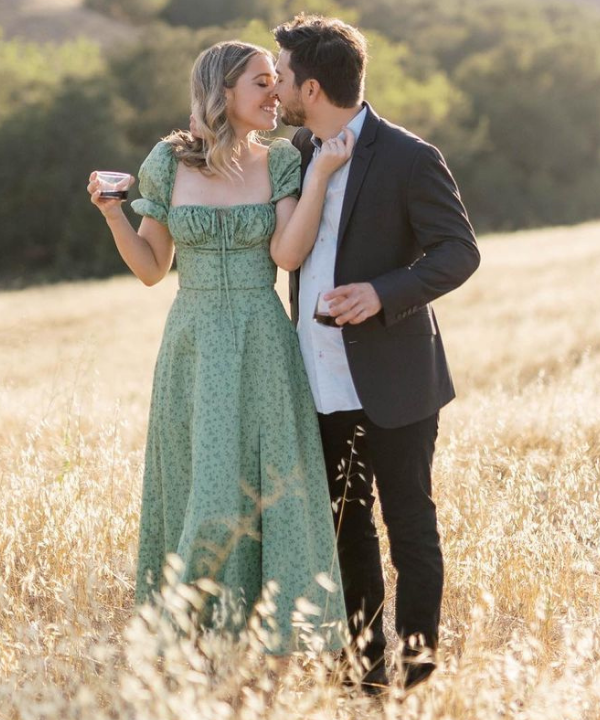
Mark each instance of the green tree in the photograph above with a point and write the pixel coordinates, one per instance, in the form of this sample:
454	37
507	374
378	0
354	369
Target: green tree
151	81
522	134
32	73
541	102
429	105
49	227
151	78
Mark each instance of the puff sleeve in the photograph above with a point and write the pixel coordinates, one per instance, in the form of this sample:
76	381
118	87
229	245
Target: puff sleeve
156	181
284	163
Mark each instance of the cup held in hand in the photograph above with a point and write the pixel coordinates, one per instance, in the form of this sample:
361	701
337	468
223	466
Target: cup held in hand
322	314
113	185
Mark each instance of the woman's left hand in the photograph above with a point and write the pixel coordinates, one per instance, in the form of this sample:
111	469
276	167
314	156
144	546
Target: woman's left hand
334	153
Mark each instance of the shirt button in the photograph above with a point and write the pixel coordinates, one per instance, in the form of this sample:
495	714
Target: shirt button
320	353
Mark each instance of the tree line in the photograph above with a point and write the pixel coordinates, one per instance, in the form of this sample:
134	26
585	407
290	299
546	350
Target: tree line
509	90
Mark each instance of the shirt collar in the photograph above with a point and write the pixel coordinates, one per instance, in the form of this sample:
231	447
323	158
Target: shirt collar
356	125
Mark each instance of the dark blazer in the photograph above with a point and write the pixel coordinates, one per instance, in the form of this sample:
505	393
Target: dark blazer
404	229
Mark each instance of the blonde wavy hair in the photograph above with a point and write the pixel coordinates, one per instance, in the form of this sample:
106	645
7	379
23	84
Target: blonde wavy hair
214	148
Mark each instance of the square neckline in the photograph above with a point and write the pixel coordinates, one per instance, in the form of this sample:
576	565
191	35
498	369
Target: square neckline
269	202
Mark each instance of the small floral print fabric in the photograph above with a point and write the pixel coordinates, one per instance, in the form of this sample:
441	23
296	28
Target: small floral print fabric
234	478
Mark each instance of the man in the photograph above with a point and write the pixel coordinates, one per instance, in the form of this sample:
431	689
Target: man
394	236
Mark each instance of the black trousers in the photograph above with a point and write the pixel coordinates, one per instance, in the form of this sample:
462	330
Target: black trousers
400	460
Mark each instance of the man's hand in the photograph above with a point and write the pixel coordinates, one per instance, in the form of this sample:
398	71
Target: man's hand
353	303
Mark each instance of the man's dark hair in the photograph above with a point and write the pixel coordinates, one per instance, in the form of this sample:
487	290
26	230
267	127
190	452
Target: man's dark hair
329	51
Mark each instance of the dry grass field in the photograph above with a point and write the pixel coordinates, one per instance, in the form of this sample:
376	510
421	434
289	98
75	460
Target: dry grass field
516	484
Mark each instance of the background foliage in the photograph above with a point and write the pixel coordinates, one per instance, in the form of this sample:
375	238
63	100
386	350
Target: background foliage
509	90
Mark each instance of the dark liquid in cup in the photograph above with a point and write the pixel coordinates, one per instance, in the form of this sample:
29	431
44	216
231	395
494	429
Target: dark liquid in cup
328	320
114	194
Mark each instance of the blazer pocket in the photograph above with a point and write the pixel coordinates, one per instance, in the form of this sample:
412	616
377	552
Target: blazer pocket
419	323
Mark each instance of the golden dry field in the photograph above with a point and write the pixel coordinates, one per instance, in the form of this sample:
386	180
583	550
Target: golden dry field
516	484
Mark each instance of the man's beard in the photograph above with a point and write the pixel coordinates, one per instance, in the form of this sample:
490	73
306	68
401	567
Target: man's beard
293	115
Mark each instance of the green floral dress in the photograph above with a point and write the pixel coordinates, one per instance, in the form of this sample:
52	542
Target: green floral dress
234	478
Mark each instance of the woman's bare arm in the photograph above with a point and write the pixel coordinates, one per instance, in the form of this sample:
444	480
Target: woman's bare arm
298	222
148	252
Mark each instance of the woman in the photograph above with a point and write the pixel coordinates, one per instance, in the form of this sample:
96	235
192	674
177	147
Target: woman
234	479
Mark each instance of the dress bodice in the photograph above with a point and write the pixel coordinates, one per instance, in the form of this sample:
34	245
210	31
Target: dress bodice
205	226
210	227
222	248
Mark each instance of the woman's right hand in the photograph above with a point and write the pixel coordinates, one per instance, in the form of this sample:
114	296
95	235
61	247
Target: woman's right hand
108	207
334	153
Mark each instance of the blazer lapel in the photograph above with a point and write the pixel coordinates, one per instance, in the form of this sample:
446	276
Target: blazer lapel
361	159
301	140
306	156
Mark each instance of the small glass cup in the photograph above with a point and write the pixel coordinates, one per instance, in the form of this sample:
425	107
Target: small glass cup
322	314
113	185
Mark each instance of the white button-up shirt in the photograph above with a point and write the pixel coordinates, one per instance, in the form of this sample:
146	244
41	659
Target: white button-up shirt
322	346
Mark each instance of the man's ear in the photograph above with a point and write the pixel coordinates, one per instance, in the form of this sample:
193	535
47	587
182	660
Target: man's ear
311	90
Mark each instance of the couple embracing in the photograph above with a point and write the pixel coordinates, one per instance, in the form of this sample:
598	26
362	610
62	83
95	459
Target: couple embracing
256	432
